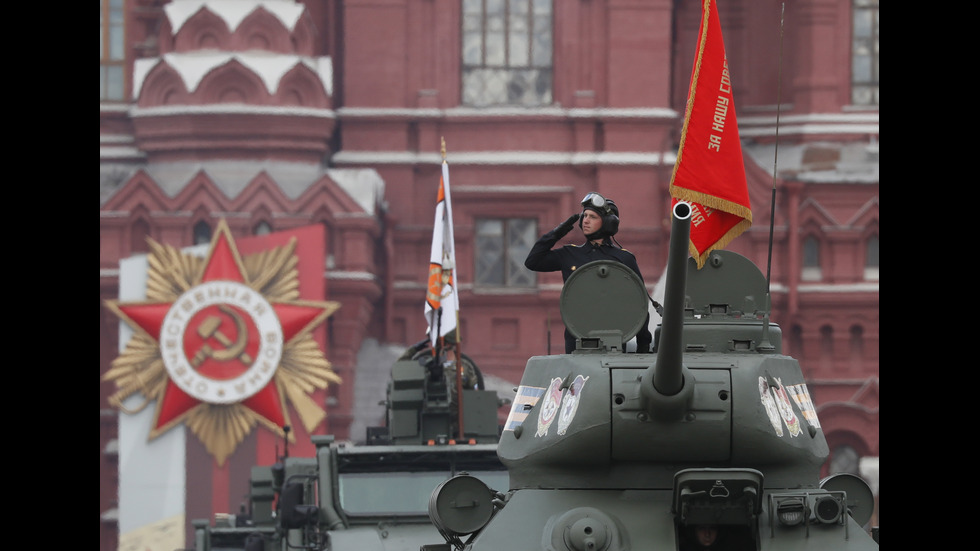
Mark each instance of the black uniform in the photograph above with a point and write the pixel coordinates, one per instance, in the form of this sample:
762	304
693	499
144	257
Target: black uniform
569	257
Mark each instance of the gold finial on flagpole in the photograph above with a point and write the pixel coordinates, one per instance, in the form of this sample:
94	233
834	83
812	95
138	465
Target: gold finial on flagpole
443	147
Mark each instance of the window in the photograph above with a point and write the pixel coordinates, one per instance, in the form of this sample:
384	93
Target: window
501	247
811	259
864	53
111	48
871	259
507	46
796	347
202	233
826	348
857	348
139	231
262	228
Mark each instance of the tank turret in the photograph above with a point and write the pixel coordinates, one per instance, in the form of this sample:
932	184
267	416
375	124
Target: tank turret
609	450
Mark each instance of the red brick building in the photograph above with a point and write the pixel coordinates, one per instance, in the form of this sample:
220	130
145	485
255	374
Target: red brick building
275	114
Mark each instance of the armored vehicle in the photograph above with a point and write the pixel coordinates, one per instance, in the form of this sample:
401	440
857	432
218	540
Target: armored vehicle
713	431
374	497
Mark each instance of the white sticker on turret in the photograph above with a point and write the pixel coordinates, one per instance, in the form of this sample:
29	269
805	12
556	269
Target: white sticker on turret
779	408
527	397
549	408
569	404
786	410
769	403
801	395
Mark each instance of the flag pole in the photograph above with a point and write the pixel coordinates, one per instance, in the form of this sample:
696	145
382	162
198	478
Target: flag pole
456	348
459	380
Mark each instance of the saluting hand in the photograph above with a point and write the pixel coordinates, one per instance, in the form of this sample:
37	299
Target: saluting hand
566	226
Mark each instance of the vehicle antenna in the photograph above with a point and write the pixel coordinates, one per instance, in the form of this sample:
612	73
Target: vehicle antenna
765	344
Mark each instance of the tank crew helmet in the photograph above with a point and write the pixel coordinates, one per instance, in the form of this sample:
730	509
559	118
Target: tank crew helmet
606	209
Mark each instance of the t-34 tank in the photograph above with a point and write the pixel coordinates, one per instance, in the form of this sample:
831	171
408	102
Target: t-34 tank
612	451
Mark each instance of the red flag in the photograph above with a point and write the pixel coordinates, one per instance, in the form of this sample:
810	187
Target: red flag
709	172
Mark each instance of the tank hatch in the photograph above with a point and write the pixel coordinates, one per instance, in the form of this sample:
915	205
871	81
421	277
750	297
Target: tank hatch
727	280
603	304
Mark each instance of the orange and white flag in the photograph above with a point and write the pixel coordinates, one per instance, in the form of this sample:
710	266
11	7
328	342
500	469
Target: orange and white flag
709	172
441	298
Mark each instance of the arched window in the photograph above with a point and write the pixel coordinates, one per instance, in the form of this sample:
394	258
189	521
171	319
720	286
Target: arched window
795	341
202	233
857	348
139	231
793	346
811	260
826	347
262	228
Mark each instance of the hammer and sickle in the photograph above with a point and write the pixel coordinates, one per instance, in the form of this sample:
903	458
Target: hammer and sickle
232	350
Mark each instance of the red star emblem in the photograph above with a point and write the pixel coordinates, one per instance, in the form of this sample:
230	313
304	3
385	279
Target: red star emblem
221	341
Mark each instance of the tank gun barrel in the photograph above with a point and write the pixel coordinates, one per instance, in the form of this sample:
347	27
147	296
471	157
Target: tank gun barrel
663	383
668	379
